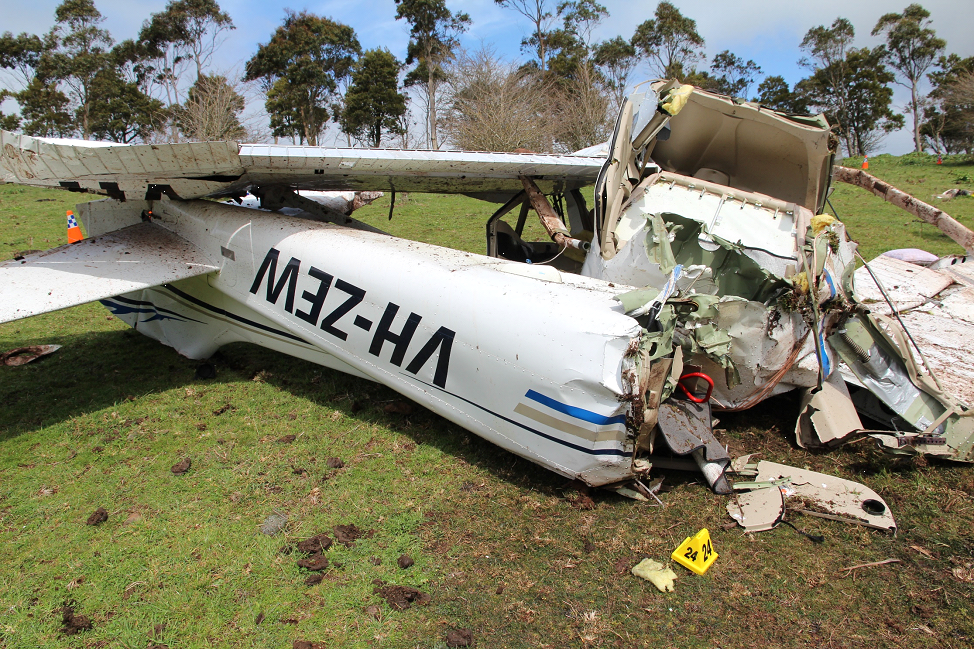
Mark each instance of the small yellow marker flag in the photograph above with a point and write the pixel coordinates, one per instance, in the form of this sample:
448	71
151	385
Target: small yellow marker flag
696	553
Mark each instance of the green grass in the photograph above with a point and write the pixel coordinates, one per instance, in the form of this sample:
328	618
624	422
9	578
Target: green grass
503	547
879	226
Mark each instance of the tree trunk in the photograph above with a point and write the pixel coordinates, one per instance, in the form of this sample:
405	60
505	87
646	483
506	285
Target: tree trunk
431	109
928	213
916	118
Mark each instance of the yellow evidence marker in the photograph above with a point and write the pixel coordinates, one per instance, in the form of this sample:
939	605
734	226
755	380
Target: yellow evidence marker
696	553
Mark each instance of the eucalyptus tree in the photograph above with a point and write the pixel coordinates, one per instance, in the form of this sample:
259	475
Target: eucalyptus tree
434	36
300	70
911	49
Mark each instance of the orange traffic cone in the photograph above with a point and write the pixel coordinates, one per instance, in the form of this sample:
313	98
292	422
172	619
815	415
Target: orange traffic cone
74	230
865	162
940	159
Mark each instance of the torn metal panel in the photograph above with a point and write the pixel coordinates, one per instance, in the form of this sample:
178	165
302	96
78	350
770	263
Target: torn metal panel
24	355
812	493
686	427
827	416
759	510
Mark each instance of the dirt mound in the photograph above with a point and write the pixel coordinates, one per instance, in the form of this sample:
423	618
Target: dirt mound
459	638
181	467
399	598
349	534
315	544
314	563
72	624
98	516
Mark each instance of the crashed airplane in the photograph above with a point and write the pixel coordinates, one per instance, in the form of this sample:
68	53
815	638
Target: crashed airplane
701	276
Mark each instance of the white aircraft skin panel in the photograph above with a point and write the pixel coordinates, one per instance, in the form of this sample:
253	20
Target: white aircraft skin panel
209	323
443	327
136	257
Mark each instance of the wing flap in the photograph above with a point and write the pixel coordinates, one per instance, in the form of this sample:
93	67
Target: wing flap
137	257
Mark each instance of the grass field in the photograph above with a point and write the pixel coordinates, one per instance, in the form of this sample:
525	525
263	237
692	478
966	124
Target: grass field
502	547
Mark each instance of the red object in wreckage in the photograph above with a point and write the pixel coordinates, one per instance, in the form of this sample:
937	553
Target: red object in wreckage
690	395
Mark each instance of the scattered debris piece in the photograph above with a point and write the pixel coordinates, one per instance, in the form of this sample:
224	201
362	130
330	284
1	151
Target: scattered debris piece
182	466
696	553
72	624
954	193
98	516
314	580
205	372
259	619
808	492
399	408
759	510
405	561
400	598
334	463
307	644
459	638
314	563
349	534
316	544
922	551
500	590
588	546
912	256
375	561
24	355
227	407
964	573
873	564
656	573
273	524
373	611
287	439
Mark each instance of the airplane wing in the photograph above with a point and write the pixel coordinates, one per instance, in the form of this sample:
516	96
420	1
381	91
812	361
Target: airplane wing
201	169
136	257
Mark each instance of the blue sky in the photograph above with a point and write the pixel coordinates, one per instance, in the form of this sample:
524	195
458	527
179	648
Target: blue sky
767	32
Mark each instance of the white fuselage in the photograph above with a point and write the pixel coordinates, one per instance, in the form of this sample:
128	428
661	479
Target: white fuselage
527	357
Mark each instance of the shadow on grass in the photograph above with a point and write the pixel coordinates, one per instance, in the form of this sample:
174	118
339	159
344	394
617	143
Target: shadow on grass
94	371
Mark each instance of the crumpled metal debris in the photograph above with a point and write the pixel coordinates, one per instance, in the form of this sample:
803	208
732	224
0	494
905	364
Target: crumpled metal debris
24	355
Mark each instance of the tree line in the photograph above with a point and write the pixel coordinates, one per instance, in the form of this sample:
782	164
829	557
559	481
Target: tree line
312	73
